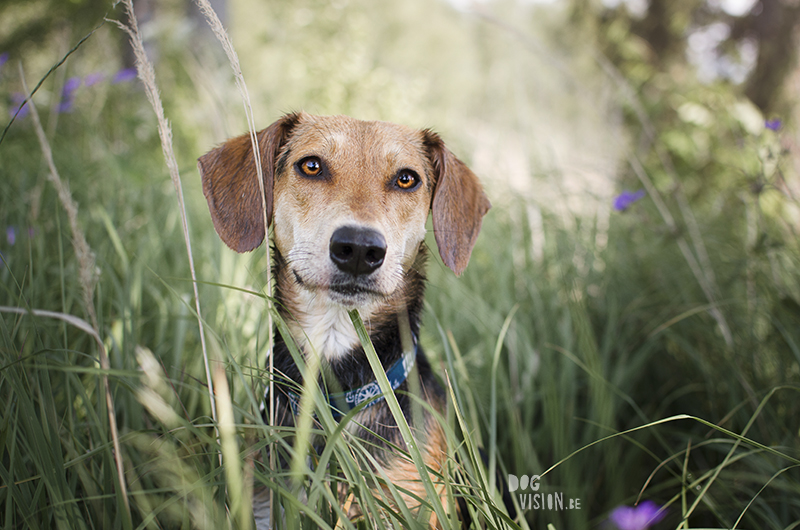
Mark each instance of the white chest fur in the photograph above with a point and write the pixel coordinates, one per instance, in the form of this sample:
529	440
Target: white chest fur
325	326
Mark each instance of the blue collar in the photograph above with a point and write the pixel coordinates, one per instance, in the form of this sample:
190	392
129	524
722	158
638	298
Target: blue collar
341	403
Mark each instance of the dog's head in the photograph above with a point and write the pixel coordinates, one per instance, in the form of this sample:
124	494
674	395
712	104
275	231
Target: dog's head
348	200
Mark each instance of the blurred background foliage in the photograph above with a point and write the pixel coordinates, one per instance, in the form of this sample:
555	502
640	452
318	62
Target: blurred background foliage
686	301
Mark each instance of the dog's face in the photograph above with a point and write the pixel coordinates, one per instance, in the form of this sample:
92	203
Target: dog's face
350	203
349	200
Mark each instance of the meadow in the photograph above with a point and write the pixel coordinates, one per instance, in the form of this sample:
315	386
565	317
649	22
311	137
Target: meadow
628	328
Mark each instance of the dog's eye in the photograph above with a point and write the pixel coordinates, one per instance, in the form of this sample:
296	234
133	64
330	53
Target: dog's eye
310	166
407	179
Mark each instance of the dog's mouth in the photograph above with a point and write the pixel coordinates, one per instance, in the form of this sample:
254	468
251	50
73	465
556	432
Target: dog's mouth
353	290
345	289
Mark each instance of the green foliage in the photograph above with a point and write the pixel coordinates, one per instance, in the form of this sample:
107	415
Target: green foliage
581	342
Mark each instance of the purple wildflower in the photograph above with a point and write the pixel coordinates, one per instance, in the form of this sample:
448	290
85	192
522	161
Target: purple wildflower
31	232
72	84
123	76
624	200
3	59
68	94
639	517
773	125
93	79
20	108
11	235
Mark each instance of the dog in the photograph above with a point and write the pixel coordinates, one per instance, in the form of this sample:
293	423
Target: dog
348	201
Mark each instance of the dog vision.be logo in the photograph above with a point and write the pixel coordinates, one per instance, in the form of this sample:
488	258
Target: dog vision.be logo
539	501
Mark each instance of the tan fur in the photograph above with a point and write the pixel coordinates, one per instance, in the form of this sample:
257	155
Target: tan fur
403	473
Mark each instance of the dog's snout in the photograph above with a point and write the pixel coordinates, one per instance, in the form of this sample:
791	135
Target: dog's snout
356	250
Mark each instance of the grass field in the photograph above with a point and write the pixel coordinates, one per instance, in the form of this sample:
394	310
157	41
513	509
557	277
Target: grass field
649	352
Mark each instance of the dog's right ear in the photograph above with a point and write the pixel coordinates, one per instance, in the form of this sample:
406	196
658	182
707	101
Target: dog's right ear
231	187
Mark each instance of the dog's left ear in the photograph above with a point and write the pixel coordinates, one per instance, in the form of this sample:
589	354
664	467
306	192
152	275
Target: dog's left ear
458	205
231	186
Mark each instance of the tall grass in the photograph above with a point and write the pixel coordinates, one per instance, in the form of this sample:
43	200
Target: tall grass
579	345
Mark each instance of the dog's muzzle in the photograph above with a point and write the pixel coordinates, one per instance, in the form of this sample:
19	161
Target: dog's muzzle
357	251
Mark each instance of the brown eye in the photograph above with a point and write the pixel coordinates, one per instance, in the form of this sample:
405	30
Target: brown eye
407	179
310	166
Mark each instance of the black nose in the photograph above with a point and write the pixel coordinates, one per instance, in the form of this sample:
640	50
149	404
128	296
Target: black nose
356	250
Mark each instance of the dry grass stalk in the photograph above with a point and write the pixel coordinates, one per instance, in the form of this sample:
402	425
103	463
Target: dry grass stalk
239	505
147	74
222	35
233	58
87	276
87	272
